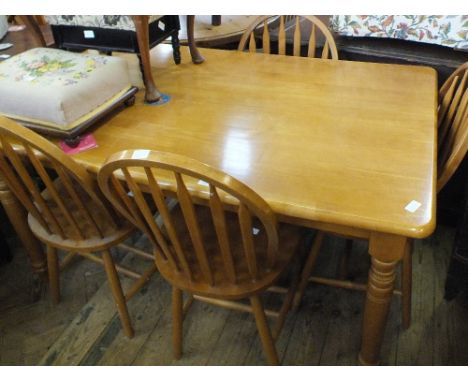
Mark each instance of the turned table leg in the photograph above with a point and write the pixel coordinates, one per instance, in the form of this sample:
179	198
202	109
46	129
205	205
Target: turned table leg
141	26
386	251
18	218
197	58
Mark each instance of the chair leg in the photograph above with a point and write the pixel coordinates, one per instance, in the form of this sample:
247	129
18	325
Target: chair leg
177	320
117	293
344	261
264	331
216	20
54	276
406	286
176	47
307	270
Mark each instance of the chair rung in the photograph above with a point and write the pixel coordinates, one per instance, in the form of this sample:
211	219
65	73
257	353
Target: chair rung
277	289
187	305
233	305
137	251
67	260
119	268
344	284
140	282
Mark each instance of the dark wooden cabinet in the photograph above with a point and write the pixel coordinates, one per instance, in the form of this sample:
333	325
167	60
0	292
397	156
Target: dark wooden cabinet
457	276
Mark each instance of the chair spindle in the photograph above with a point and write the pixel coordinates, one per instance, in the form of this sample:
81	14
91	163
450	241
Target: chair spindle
159	200
188	210
245	221
282	37
297	38
312	43
266	38
219	221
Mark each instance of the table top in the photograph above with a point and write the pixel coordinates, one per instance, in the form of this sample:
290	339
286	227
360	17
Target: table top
341	142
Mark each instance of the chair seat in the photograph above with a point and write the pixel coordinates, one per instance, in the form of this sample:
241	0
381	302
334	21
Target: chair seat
289	237
124	22
107	235
59	90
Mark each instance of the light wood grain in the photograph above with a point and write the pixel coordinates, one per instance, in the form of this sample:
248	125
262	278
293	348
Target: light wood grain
335	161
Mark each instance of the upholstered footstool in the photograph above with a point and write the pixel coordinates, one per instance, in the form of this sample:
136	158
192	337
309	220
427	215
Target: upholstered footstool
60	93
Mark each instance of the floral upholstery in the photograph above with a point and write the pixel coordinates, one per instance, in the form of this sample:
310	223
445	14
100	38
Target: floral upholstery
57	88
449	31
97	21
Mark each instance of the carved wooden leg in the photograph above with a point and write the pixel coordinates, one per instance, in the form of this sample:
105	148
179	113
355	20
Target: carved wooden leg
141	25
18	218
33	27
386	251
379	294
197	58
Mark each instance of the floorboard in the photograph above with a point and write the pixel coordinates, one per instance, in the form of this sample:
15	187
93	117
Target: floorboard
84	329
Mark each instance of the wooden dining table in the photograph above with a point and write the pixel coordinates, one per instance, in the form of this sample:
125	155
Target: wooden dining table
344	147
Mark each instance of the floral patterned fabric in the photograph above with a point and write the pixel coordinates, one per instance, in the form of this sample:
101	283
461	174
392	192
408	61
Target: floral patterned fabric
97	21
56	87
449	31
50	67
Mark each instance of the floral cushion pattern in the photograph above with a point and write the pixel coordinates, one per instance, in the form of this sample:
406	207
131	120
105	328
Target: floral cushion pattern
97	21
449	31
56	87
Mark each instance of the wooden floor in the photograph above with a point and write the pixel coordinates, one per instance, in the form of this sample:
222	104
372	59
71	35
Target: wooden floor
84	328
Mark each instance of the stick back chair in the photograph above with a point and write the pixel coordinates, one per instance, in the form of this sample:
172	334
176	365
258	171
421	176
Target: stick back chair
67	210
452	148
262	27
220	243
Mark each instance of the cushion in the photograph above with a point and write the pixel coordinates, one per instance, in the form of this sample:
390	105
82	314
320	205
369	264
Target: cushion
60	89
97	21
449	31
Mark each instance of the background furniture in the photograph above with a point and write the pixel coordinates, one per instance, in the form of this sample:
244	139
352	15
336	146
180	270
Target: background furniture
457	275
146	37
66	210
318	31
230	251
63	93
448	31
3	26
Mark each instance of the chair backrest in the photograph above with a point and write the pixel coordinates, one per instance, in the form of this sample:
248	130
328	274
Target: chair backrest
261	28
452	124
53	188
196	247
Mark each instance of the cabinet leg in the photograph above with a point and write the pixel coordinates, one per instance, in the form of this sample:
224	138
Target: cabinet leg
197	58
